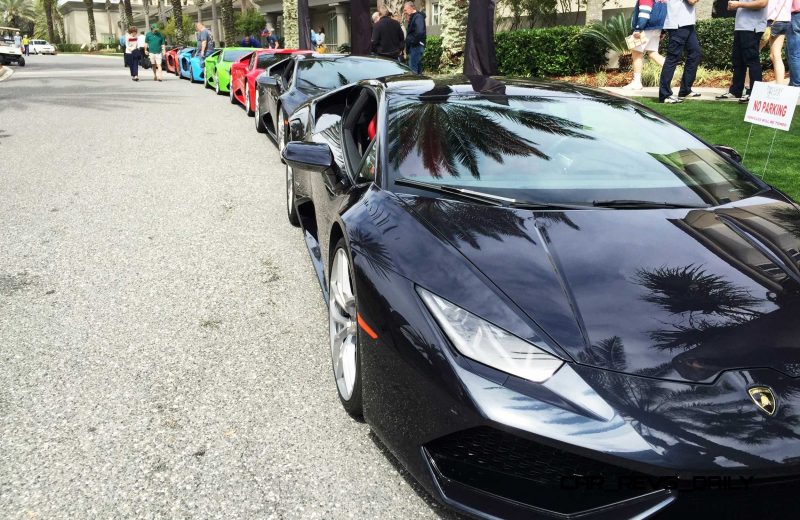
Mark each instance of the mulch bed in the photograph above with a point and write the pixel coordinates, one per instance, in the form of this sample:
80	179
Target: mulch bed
615	78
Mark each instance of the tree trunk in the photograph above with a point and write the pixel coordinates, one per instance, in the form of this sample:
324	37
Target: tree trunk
92	29
304	25
290	30
198	4
61	33
214	18
48	12
177	15
128	12
227	22
479	54
454	33
161	17
146	5
594	11
360	28
111	32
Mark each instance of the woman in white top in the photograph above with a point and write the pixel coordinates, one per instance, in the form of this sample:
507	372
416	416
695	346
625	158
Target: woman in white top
132	51
779	15
321	40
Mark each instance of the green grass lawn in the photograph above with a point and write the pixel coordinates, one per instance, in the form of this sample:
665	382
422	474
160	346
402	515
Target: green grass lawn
723	123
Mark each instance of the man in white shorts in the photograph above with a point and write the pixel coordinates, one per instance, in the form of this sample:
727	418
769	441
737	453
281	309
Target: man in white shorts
648	20
155	47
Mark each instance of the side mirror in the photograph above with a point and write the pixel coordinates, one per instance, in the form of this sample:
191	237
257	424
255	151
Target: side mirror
267	81
730	152
315	157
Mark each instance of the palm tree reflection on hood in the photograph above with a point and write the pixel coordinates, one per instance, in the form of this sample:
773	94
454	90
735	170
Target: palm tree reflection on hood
449	132
705	304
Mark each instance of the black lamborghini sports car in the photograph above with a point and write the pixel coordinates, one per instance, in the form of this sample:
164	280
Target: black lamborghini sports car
286	85
552	302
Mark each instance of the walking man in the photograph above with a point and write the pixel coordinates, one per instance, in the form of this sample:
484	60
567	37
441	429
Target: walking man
155	47
26	45
751	22
680	24
205	43
793	46
387	35
18	41
415	36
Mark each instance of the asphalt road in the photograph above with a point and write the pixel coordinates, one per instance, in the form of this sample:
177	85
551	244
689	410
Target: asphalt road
163	341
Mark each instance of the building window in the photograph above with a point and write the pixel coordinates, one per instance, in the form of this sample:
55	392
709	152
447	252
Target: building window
436	14
332	37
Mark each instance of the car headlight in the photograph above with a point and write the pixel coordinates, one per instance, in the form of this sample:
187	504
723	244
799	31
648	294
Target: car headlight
481	341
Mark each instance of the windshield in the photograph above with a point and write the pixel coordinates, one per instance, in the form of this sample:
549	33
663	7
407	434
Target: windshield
235	55
265	60
551	149
331	74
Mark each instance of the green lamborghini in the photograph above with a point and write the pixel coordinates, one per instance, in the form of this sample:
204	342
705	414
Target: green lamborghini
218	67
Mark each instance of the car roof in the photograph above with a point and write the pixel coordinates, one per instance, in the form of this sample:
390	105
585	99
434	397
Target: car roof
462	85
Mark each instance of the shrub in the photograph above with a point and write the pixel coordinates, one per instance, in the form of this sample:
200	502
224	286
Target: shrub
344	48
432	55
71	47
553	51
611	33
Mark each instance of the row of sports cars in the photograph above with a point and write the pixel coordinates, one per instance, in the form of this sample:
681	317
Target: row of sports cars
547	301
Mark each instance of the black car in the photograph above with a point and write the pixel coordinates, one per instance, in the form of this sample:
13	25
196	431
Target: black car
552	302
285	86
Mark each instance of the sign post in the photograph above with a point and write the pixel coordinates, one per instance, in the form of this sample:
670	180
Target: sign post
771	105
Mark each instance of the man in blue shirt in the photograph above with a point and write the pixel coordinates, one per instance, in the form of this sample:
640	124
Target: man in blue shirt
205	42
415	36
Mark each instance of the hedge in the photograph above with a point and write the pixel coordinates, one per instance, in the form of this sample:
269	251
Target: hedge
553	51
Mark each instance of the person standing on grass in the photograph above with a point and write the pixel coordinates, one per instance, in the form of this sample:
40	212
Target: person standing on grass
132	51
779	16
415	36
751	22
793	46
680	24
648	20
155	47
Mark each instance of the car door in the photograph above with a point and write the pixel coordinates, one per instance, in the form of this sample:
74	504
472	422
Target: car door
354	150
285	85
273	90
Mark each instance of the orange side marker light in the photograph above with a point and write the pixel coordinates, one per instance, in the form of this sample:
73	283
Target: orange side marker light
366	328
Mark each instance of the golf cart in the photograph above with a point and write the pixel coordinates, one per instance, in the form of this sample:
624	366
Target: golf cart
10	54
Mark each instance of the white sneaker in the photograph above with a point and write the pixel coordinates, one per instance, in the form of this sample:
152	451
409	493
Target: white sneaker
633	86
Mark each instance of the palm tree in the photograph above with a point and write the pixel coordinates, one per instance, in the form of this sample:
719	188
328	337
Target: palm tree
128	12
108	17
198	4
454	33
304	23
291	33
161	17
14	12
177	15
49	7
146	5
594	11
92	30
228	26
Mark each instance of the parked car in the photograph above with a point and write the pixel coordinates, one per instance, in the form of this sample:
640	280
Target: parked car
185	57
543	317
171	59
285	86
218	67
41	47
245	71
10	54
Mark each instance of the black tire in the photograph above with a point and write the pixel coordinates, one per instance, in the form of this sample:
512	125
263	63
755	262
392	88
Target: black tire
2	61
291	204
354	406
21	62
230	94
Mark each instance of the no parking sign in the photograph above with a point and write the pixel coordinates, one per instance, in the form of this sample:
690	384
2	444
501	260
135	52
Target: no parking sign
772	105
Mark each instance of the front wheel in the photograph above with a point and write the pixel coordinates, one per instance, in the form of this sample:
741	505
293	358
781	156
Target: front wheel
259	119
342	317
291	207
21	62
230	93
247	100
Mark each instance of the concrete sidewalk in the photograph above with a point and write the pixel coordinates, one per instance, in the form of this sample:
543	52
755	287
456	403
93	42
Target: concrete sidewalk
707	93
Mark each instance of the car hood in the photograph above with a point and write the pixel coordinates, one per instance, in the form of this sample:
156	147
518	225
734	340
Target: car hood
675	294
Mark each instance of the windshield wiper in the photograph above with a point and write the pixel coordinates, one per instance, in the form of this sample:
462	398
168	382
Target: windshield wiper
486	198
643	204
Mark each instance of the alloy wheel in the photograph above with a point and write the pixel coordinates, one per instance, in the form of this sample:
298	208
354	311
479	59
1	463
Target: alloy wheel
247	100
343	332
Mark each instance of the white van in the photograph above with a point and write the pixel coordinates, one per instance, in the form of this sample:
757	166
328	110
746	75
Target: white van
41	47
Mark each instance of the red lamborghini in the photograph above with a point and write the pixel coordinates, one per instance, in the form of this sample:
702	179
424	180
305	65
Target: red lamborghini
172	60
246	70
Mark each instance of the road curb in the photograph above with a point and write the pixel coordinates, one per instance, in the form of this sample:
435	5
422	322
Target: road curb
5	73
